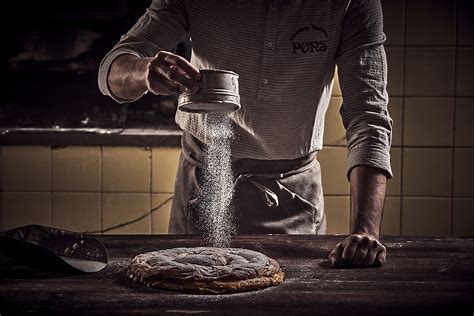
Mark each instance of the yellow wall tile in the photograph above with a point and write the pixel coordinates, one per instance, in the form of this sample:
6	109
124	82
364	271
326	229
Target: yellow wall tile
77	169
25	208
334	133
395	59
394	16
79	212
1	168
463	172
337	210
464	72
161	216
391	216
429	71
428	121
462	220
336	91
465	22
1	190
395	109
119	208
394	184
1	211
333	164
125	169
430	22
426	216
164	168
427	172
464	122
27	168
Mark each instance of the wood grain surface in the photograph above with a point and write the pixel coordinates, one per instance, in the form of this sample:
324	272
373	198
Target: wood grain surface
422	276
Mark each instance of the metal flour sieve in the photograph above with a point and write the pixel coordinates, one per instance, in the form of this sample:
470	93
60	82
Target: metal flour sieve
218	92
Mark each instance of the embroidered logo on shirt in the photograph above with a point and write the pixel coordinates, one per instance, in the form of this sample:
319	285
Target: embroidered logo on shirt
309	39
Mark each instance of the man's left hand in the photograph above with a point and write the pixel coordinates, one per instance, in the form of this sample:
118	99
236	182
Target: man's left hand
358	250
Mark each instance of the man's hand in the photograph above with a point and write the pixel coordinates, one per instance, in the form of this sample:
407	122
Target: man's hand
168	73
358	250
362	248
130	76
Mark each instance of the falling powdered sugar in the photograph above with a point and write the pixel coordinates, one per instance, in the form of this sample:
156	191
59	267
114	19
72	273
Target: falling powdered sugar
216	216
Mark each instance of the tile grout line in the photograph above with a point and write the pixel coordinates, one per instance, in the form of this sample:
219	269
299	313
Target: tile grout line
101	178
431	96
151	189
453	123
2	211
350	200
84	191
51	181
406	146
170	193
428	46
403	105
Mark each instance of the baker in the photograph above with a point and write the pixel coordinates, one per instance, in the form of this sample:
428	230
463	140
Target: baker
285	53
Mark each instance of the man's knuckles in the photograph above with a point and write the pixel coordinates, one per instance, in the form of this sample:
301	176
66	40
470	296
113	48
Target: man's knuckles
335	255
360	255
359	250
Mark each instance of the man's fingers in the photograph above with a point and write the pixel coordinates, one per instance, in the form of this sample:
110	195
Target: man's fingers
361	252
380	258
168	59
335	255
159	84
170	72
376	250
175	75
371	255
187	68
351	245
358	250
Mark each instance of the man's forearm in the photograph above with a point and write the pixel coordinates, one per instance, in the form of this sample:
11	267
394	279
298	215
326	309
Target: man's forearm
368	189
126	78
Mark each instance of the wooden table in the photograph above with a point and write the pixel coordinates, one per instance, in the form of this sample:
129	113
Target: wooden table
421	276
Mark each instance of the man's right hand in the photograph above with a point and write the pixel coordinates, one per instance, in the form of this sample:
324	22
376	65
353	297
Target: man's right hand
164	74
168	73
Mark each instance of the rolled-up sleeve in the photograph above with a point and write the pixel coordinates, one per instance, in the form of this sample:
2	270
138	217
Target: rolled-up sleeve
362	72
161	27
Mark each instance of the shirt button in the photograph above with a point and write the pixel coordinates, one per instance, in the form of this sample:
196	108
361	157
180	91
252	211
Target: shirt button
269	44
273	8
265	81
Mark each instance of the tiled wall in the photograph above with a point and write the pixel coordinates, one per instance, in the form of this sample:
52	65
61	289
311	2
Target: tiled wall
88	188
430	55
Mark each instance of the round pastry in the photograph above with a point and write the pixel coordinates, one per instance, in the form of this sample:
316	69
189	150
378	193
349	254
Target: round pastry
206	270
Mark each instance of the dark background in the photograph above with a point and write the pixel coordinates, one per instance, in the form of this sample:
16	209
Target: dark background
50	59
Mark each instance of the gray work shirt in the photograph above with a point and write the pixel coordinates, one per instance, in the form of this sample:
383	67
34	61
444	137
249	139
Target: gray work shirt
285	53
